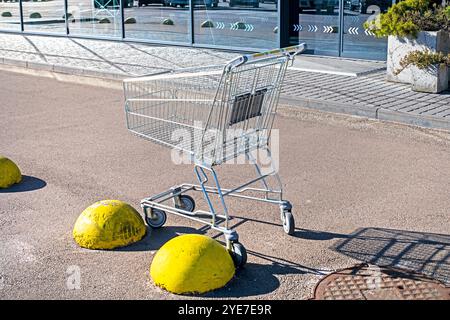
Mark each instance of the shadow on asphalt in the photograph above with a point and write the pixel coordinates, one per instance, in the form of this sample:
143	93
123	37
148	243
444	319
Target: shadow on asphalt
252	280
317	235
256	279
299	233
155	238
28	183
420	252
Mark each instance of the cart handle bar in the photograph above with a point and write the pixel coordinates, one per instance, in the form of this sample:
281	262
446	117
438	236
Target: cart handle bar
291	52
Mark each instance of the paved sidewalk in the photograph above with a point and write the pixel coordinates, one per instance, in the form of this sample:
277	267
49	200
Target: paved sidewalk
362	92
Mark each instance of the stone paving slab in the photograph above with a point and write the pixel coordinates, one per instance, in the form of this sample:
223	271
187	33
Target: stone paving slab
367	94
106	56
335	65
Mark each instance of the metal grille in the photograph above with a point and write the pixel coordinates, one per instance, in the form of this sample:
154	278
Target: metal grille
366	282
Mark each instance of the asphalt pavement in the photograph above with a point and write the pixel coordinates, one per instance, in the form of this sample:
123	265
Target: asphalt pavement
345	176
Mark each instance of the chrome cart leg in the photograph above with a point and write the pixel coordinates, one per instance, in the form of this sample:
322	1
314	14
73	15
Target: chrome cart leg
236	249
287	217
203	179
252	159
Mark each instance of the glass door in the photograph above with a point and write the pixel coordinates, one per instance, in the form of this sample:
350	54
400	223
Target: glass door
358	42
10	15
336	27
247	24
318	25
95	17
158	20
44	16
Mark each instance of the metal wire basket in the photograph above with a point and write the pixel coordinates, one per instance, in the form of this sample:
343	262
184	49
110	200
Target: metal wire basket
213	114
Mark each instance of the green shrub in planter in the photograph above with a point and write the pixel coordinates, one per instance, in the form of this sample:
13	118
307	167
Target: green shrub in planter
407	18
428	70
423	60
435	19
6	14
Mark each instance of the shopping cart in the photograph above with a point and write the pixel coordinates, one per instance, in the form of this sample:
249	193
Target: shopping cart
213	114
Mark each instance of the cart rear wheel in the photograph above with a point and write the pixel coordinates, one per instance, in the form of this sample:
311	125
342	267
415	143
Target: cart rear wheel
239	254
288	222
156	219
188	203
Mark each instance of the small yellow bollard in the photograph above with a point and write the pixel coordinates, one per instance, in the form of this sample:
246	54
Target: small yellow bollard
192	263
108	224
9	173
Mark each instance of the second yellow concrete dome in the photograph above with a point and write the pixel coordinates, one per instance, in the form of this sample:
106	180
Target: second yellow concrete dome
192	263
108	224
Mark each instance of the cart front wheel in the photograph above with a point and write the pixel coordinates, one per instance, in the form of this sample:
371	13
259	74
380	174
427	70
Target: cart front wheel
239	254
187	203
156	219
288	222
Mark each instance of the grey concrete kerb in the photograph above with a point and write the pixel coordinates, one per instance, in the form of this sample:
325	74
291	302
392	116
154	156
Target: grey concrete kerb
369	112
413	119
64	69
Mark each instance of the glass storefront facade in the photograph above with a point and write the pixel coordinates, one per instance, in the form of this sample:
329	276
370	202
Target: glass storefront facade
336	27
329	27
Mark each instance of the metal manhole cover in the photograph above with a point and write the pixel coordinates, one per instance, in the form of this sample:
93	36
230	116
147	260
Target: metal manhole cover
365	282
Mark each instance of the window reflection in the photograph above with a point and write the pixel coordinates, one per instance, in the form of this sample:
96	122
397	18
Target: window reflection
357	41
318	25
158	20
96	17
44	16
237	23
9	15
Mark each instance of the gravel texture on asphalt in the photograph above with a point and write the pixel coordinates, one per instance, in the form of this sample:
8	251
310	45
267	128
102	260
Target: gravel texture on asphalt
342	174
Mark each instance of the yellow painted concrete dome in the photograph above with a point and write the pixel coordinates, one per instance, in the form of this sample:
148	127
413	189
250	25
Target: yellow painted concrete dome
192	263
9	173
108	224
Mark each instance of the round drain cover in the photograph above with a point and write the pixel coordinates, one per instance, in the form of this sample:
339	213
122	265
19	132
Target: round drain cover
367	282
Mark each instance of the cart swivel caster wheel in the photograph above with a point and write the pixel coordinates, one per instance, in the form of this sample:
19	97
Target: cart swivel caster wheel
156	219
288	222
239	254
188	203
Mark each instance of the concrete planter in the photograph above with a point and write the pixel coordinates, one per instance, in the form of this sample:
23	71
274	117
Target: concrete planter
432	80
398	47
